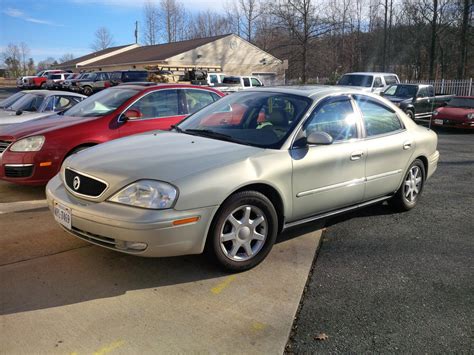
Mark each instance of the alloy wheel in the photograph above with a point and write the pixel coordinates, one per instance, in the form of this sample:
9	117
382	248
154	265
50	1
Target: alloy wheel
412	186
243	233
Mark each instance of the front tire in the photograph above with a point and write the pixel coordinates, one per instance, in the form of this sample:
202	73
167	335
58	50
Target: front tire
411	115
409	193
243	231
87	91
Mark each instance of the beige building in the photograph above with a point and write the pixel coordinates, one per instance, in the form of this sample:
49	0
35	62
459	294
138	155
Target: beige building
229	54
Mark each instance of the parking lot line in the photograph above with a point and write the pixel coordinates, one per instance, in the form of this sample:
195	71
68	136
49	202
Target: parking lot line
108	348
10	207
220	287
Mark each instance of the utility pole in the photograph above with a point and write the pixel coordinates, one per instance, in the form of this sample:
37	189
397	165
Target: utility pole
136	32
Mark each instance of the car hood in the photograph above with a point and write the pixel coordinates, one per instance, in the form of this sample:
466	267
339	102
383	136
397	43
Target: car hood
39	126
164	156
13	118
454	112
397	99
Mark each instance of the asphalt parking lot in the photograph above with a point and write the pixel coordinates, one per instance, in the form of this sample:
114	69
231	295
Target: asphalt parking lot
388	282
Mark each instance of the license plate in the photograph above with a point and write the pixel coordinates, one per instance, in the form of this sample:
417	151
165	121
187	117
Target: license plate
62	215
440	122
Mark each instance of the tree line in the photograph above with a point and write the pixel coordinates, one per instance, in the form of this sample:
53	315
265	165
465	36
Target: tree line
417	39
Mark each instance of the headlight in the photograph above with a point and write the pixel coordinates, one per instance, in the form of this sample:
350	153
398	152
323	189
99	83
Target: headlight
30	144
150	194
435	113
470	116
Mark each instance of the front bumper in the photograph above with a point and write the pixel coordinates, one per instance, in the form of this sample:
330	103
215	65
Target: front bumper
115	226
29	168
450	123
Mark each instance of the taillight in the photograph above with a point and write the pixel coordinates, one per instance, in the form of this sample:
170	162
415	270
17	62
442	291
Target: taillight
107	84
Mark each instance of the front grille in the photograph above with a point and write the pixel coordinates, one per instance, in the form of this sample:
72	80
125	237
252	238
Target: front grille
18	171
83	184
3	146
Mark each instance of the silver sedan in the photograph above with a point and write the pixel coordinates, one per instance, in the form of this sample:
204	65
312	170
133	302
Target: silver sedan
232	176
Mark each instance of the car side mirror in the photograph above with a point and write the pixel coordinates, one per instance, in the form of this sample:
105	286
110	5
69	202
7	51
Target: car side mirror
132	114
319	138
19	112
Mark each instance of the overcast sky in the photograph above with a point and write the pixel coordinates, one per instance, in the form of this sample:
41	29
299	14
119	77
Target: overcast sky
55	27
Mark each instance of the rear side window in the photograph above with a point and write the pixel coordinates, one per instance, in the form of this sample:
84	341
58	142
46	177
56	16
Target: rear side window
162	103
213	79
335	118
197	99
255	82
378	119
377	82
390	79
246	82
135	76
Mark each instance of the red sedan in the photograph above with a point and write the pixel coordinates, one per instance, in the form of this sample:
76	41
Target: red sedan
458	113
32	153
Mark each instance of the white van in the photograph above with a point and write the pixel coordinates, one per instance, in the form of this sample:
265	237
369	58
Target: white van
369	81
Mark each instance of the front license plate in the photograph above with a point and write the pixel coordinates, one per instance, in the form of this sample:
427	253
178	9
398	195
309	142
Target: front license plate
440	122
62	215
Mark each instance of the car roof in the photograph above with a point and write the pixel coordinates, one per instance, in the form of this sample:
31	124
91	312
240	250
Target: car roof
52	92
369	73
312	91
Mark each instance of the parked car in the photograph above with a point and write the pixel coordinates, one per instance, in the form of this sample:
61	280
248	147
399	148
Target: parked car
4	104
369	81
126	76
36	81
32	153
229	182
215	78
89	84
70	82
38	104
456	113
55	81
237	83
417	100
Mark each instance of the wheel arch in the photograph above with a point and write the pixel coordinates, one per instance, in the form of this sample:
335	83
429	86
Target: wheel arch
82	145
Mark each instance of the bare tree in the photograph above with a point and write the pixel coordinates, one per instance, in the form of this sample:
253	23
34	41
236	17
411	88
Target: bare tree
250	10
103	39
66	58
463	37
173	15
300	19
233	16
12	58
150	29
208	24
24	54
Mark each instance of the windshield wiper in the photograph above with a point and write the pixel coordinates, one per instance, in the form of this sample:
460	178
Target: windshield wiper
211	134
177	128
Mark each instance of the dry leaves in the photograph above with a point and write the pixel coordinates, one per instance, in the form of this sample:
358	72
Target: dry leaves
321	337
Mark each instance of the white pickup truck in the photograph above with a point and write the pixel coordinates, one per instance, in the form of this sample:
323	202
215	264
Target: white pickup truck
237	83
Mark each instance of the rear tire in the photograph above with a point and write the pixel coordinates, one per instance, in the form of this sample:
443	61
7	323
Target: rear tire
409	193
87	90
243	231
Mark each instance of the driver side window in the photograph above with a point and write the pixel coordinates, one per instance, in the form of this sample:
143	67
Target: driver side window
336	118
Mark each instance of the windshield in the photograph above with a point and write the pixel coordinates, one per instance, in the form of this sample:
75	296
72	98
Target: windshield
401	91
28	102
261	119
356	80
10	100
462	102
102	103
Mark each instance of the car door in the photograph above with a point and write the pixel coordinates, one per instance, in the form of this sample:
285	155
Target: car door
422	103
389	147
196	99
159	110
328	177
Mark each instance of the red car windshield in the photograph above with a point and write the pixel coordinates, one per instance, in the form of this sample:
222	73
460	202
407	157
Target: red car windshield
102	103
461	102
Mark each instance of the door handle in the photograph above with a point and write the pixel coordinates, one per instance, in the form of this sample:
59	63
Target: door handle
406	145
357	155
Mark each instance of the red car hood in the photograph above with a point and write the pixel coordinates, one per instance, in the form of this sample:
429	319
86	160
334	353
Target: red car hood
454	113
15	131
